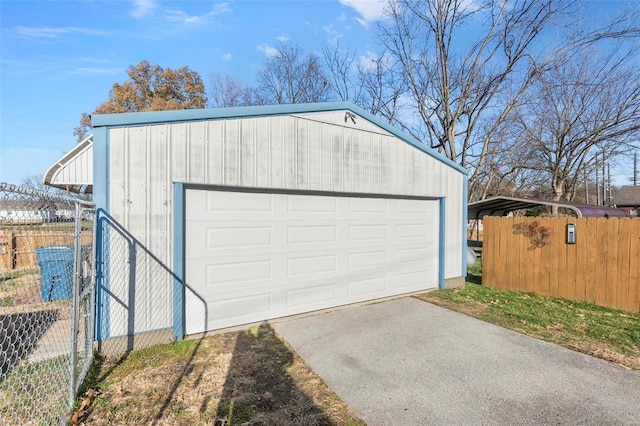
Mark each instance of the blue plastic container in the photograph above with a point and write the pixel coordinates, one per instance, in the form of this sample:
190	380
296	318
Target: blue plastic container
56	272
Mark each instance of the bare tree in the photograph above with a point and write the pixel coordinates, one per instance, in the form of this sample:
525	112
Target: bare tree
467	66
586	110
341	65
367	81
451	88
226	91
291	77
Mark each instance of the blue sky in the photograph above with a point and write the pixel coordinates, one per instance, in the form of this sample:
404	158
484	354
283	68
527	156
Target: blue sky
60	58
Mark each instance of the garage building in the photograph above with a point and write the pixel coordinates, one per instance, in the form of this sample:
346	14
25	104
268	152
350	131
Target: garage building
214	218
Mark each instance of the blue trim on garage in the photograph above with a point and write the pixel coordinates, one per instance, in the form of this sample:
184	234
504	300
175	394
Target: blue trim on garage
101	199
178	261
155	117
442	243
465	206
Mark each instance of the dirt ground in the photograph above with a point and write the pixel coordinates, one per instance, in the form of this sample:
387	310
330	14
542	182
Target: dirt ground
249	377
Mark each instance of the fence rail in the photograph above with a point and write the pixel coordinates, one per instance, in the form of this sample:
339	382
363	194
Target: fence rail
532	254
46	303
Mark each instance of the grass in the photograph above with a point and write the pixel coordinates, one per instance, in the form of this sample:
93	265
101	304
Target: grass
607	333
232	378
29	393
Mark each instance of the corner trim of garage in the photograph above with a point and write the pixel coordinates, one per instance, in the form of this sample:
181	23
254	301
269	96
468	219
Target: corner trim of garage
441	237
100	148
465	205
178	261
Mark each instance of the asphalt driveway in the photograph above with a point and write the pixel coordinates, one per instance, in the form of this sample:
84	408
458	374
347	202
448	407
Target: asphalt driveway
408	362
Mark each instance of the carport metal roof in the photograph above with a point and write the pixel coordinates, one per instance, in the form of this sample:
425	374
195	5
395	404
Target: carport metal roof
74	171
500	206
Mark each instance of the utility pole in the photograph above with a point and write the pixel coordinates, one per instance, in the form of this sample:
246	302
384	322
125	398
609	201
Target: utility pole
586	188
597	182
635	169
610	198
604	180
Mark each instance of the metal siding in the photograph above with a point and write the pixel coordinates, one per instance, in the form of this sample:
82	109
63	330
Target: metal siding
275	129
263	153
278	151
196	138
339	118
302	166
289	152
247	153
77	171
215	151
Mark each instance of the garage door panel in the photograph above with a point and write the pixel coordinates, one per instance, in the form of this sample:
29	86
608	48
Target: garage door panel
411	280
379	231
366	289
367	259
305	234
310	203
311	265
307	296
412	255
295	253
237	202
368	206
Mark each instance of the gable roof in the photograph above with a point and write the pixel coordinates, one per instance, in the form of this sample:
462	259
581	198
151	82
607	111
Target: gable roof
500	206
156	117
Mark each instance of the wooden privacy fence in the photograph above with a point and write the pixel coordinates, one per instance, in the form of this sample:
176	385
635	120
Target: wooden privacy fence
532	255
18	249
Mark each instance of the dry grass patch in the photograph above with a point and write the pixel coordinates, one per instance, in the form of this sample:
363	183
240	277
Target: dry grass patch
249	377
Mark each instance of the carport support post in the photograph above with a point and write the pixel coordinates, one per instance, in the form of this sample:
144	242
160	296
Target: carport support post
178	262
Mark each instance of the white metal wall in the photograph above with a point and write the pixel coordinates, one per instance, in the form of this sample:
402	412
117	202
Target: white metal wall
303	152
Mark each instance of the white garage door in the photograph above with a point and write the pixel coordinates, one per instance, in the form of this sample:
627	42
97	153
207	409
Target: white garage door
254	256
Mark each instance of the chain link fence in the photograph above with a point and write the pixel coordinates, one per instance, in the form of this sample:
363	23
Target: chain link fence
134	292
46	303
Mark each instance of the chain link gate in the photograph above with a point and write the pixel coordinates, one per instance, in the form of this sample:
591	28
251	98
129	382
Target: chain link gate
46	303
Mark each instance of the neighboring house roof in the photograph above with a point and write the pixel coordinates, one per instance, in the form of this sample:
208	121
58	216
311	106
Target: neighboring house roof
74	171
501	206
626	196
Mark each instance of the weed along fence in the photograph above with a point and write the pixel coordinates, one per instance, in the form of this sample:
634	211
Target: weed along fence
586	259
46	304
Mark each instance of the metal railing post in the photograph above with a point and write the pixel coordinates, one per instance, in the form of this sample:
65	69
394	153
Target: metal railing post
77	279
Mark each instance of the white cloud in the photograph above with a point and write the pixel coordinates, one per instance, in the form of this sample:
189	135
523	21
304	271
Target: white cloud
96	71
367	61
142	8
370	10
363	22
282	38
226	57
55	32
342	17
332	32
269	51
181	17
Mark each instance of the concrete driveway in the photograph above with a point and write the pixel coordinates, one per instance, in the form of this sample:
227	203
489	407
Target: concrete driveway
408	362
